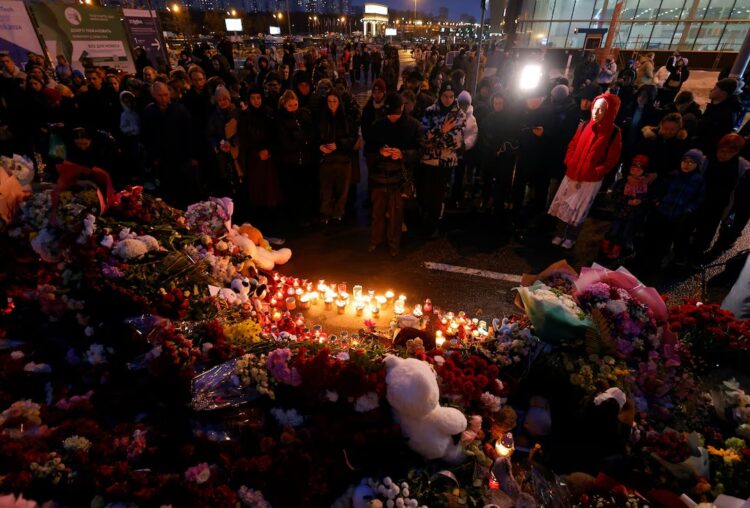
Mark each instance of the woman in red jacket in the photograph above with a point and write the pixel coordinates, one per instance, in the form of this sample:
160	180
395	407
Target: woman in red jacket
592	153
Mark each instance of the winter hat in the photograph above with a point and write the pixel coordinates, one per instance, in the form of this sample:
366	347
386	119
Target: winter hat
695	155
52	95
464	98
728	85
559	93
379	84
447	86
641	160
732	141
393	102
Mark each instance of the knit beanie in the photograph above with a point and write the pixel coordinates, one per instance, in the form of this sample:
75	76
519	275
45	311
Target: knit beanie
728	85
392	104
732	141
559	93
695	155
464	98
447	86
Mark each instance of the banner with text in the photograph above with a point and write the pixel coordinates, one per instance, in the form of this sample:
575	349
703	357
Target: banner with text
17	34
86	35
143	32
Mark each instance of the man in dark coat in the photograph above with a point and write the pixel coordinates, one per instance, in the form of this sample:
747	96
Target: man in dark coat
170	144
394	148
586	70
99	105
721	114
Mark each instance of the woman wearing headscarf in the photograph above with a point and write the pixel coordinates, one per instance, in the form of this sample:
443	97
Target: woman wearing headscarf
337	136
592	153
256	161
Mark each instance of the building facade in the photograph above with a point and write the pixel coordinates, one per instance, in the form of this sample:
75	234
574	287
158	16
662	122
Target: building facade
687	25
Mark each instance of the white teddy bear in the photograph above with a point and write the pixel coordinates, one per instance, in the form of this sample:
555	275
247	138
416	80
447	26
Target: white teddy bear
263	259
131	246
413	392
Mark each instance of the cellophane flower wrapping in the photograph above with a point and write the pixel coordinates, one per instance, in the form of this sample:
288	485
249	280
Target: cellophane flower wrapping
556	316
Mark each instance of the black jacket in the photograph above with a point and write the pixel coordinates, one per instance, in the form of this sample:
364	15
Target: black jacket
406	135
295	135
168	135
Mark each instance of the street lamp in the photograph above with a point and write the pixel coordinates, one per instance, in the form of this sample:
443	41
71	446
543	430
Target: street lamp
175	8
234	12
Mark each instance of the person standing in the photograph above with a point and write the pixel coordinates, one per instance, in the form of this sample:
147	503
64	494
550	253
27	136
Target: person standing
645	71
395	145
295	135
444	124
170	147
607	73
337	137
678	74
223	121
593	152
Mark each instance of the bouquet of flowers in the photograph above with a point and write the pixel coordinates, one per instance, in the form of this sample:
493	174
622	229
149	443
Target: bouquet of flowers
212	218
555	315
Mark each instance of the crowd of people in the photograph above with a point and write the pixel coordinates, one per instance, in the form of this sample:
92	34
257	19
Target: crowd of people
285	136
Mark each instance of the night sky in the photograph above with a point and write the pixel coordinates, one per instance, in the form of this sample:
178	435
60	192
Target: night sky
455	7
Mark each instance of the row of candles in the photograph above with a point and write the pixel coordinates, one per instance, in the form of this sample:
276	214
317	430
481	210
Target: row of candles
289	294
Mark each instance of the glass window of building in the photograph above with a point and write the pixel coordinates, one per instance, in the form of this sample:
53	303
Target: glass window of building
733	36
646	10
661	38
543	9
628	9
584	9
685	36
671	9
709	36
558	33
563	9
741	10
640	35
719	9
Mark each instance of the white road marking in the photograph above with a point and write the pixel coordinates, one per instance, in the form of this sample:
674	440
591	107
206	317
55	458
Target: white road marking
487	274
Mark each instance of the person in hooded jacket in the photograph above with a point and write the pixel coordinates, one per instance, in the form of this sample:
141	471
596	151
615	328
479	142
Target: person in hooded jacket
498	144
593	152
256	158
444	124
721	114
336	137
468	157
721	176
302	88
296	157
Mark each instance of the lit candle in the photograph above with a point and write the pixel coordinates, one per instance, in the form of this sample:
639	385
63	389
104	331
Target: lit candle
342	287
279	294
389	295
381	300
357	291
505	445
290	292
375	310
304	301
276	316
439	339
299	292
398	307
314	297
296	283
328	302
274	302
322	287
417	311
359	307
340	306
371	293
291	303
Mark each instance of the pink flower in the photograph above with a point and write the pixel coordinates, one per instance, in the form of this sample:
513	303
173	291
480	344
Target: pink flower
198	474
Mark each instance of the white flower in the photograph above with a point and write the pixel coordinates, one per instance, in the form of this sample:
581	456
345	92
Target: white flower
491	402
287	418
366	402
125	234
88	331
96	354
343	356
130	248
617	306
17	355
45	244
439	360
89	226
207	346
332	395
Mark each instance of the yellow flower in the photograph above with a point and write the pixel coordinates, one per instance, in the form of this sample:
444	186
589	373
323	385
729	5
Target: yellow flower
730	456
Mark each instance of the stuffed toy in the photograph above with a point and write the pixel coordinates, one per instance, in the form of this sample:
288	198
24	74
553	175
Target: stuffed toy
263	256
131	246
413	393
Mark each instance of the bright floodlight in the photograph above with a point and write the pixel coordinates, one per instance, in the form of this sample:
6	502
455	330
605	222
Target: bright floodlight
531	75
